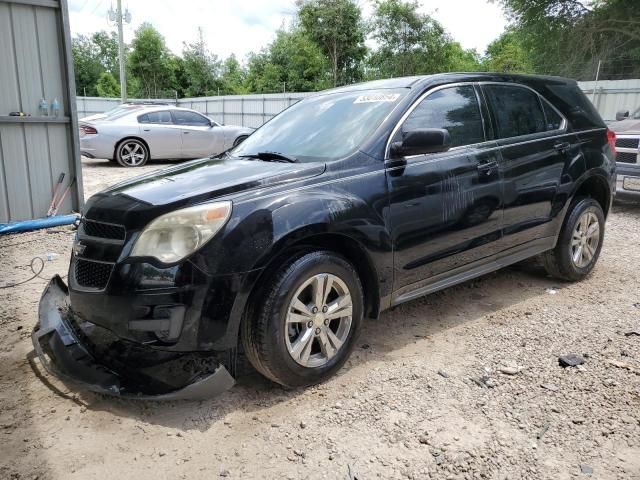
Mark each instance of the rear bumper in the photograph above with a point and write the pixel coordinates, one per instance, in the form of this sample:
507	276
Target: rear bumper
86	355
623	190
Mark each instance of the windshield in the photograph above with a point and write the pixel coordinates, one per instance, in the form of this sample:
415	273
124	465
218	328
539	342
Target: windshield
325	127
636	114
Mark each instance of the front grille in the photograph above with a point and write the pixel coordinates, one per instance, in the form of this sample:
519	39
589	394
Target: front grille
94	275
627	142
624	157
103	230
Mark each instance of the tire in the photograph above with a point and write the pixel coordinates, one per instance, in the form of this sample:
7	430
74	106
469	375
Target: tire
291	345
239	140
576	254
132	153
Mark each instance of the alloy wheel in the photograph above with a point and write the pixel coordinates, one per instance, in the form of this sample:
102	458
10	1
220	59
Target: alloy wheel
585	239
133	154
318	320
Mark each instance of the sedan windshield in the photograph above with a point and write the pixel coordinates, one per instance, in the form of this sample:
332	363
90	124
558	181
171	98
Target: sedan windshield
324	127
636	114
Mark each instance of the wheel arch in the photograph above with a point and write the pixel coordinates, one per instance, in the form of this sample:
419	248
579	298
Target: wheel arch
597	187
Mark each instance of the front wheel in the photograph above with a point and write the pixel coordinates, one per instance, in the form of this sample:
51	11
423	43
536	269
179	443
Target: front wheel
579	242
306	321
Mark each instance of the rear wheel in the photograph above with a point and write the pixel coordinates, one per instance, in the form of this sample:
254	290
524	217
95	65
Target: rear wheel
132	153
579	243
305	323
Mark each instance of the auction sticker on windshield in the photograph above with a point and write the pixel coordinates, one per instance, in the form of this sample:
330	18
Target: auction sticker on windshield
378	97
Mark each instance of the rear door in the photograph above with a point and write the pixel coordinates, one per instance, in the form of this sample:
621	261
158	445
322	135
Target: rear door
157	129
200	136
445	208
536	149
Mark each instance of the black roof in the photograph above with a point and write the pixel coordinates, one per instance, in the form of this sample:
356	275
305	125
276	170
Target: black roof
437	78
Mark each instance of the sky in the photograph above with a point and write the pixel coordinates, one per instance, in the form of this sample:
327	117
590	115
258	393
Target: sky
243	26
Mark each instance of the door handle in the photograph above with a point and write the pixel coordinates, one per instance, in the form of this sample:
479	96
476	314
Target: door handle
487	167
185	132
562	146
146	130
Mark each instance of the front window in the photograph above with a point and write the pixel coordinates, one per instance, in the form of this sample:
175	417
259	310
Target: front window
191	119
636	114
454	109
324	127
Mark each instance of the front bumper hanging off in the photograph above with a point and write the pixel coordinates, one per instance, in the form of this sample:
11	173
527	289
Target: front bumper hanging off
92	358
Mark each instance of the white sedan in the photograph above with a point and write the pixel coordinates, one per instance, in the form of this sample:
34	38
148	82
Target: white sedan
134	136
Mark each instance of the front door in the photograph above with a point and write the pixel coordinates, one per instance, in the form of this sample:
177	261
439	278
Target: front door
445	208
200	137
158	130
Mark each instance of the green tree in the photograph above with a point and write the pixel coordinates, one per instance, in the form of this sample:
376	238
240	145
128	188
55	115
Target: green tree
202	68
106	50
87	67
336	26
233	76
412	43
568	37
107	85
150	62
507	54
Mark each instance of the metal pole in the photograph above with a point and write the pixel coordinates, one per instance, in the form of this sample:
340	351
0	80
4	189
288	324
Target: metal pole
123	74
595	84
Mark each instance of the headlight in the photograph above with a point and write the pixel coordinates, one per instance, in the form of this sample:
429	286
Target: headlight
173	236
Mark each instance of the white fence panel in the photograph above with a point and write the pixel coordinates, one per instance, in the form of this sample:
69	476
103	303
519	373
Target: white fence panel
613	95
254	110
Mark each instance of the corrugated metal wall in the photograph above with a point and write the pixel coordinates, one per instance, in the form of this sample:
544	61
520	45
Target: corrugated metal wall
254	110
245	110
35	64
613	95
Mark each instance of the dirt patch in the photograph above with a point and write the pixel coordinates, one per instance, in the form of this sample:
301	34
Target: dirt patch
421	397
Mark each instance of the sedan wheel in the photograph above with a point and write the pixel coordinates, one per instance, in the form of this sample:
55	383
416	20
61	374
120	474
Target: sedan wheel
132	153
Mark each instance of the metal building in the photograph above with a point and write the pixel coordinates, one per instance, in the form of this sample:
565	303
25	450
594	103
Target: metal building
36	65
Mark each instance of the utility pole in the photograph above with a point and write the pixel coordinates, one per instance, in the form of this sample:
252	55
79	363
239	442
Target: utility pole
119	18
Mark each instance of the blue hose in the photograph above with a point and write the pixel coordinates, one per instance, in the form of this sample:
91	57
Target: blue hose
37	224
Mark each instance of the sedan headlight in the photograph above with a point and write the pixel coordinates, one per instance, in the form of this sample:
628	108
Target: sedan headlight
173	236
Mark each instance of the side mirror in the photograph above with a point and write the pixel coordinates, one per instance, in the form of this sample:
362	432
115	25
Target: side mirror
622	115
422	141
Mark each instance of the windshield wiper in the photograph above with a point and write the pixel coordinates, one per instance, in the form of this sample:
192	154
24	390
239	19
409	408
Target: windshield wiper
271	156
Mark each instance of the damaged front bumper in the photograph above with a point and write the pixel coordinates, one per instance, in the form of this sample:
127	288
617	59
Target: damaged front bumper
92	358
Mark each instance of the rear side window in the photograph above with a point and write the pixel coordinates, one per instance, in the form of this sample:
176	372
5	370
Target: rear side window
155	117
517	111
455	109
182	117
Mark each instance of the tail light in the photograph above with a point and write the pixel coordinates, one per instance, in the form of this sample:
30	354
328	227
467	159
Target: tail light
611	138
87	130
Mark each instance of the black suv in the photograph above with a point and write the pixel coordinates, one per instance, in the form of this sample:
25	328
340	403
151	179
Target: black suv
348	203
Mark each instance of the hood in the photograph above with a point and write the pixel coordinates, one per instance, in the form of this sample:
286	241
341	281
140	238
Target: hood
191	183
626	127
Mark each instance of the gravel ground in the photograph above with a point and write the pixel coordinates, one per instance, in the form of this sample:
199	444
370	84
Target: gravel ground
463	384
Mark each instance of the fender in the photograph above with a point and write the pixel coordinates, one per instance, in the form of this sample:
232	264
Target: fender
305	217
